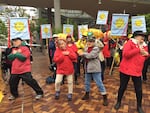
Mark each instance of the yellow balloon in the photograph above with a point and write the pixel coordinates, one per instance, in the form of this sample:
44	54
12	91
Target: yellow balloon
108	35
97	32
1	96
116	55
117	58
115	37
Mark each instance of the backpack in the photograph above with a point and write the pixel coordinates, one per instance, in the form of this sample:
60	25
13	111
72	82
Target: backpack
31	57
50	79
5	62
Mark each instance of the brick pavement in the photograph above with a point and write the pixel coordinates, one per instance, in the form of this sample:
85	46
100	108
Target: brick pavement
27	104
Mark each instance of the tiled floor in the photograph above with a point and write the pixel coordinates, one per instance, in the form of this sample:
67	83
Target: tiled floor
27	104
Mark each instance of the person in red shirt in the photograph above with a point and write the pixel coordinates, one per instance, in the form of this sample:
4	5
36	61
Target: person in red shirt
71	45
108	50
147	61
21	69
134	54
64	58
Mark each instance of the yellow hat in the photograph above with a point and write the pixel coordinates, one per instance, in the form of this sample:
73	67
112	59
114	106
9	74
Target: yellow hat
85	33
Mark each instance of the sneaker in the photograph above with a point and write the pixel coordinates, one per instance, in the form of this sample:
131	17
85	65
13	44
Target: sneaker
37	97
11	98
57	94
69	97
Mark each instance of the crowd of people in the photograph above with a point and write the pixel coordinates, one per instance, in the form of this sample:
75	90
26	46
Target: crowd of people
94	54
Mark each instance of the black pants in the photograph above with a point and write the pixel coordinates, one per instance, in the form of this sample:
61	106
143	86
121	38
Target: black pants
124	79
27	77
145	67
103	69
80	61
78	64
109	61
75	71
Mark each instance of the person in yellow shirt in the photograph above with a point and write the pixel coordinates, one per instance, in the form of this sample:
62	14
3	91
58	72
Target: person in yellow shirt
81	43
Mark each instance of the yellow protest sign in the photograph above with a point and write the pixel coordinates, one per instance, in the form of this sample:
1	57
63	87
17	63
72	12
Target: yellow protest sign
119	24
102	17
19	27
68	29
46	31
82	30
138	23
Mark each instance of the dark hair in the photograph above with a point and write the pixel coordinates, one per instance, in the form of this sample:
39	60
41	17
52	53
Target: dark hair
138	33
17	38
146	39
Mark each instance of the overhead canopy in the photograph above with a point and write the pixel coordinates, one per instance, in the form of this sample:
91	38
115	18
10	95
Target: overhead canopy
89	6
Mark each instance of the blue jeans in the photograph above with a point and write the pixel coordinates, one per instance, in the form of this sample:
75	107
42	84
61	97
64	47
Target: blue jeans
97	78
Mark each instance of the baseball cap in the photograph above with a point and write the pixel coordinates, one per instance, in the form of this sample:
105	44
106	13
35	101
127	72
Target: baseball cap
91	39
17	38
55	35
138	33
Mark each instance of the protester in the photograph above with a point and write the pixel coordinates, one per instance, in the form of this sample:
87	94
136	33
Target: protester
70	44
21	69
147	62
63	58
81	45
120	45
93	69
7	64
52	47
100	44
108	50
134	55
